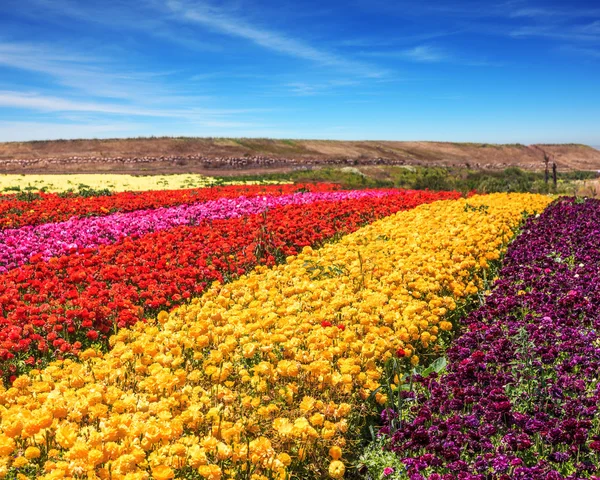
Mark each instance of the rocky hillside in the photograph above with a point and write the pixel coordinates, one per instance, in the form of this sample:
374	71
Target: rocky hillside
217	155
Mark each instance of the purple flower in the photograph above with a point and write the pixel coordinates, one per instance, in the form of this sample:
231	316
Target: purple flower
521	377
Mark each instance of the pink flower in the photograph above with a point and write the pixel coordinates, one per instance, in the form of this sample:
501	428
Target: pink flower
19	245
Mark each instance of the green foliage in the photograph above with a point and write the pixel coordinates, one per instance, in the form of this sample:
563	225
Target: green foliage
348	179
376	458
85	191
481	208
512	179
432	179
28	196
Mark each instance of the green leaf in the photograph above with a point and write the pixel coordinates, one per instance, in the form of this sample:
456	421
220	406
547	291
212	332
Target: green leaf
439	365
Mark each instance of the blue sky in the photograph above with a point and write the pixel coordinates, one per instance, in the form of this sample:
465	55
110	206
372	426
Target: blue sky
503	72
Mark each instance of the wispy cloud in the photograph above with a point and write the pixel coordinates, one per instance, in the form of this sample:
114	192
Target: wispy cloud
34	101
35	130
216	19
118	16
395	41
419	53
177	21
228	75
450	9
514	18
431	54
232	124
92	74
426	53
24	131
586	52
578	33
537	13
318	88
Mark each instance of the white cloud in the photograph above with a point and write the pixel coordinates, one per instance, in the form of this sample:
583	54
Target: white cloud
550	12
92	74
34	101
217	20
310	89
118	16
22	131
25	131
419	53
586	52
167	19
426	53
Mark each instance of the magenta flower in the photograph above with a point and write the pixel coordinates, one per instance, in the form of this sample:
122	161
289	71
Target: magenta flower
18	245
387	471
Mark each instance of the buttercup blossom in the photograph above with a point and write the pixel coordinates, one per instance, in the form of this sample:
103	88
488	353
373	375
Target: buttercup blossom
246	380
63	305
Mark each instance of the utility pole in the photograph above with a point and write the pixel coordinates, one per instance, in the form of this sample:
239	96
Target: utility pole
554	174
546	173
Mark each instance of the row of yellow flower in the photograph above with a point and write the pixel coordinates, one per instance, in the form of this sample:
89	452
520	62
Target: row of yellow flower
264	377
113	182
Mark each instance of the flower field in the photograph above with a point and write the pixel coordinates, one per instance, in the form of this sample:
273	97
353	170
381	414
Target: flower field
249	335
521	396
39	208
72	301
99	181
55	239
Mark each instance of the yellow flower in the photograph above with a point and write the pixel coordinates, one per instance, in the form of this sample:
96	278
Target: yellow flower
95	457
283	426
335	452
20	462
13	428
446	326
66	436
53	453
336	469
32	452
7	445
307	404
259	365
317	419
163	472
210	472
114	182
21	382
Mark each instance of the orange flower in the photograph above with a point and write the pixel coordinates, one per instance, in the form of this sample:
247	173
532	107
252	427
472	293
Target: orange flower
162	472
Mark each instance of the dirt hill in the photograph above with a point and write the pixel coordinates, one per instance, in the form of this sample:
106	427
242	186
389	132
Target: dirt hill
219	155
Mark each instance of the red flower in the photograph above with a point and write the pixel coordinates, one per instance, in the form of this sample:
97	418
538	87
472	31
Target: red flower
80	298
325	324
400	353
50	207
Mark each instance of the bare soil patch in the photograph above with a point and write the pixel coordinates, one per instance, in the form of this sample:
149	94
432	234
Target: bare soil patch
221	156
